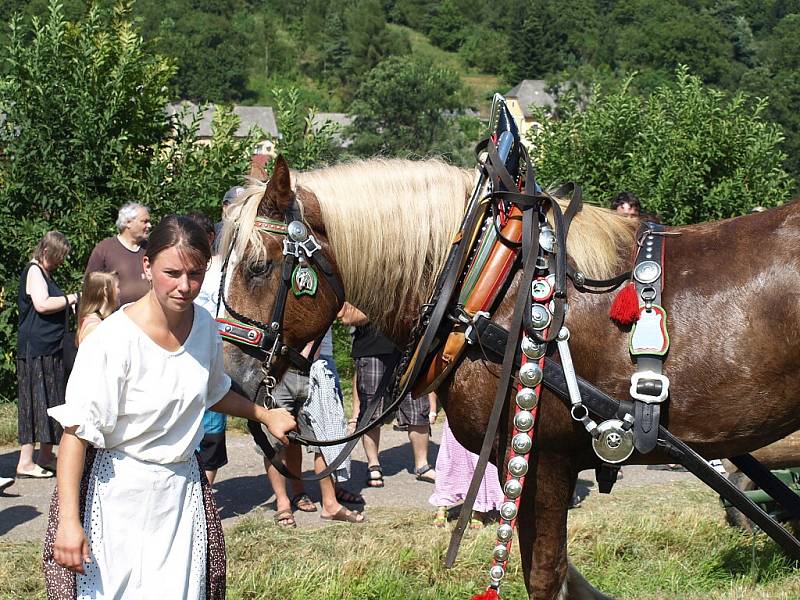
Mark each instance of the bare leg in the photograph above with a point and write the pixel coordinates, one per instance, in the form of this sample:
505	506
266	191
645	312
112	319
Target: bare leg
211	475
330	505
25	462
293	459
418	436
372	442
45	454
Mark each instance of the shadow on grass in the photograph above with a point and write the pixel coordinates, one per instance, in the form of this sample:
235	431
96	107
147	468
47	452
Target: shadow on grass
761	560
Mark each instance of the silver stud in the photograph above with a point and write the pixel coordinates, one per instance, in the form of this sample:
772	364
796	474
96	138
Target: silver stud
497	572
512	488
547	239
500	553
527	398
518	466
540	316
508	510
297	231
521	443
251	335
523	420
530	374
533	349
504	532
648	255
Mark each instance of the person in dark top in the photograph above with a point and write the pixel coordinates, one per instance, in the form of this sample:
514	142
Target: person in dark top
123	253
40	372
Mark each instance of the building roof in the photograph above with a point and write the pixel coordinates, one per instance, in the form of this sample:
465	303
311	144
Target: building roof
249	116
341	118
531	92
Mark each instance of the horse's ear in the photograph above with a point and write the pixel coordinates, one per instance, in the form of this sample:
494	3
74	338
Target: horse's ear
279	195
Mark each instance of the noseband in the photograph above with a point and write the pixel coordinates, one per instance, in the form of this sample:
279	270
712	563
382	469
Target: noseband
264	341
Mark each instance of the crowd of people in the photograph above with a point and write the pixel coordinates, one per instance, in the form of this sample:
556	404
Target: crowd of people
140	421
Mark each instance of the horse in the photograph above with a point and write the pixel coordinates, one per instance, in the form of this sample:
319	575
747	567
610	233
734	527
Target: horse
732	294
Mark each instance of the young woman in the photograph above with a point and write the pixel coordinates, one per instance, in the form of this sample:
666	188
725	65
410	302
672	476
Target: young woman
40	371
136	522
99	298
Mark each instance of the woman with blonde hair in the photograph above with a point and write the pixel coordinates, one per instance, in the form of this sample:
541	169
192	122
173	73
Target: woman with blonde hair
99	298
40	369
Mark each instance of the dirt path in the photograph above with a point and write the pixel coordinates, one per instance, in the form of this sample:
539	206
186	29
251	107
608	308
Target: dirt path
242	486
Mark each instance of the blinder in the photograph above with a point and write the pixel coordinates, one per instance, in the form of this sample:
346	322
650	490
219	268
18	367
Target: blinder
302	253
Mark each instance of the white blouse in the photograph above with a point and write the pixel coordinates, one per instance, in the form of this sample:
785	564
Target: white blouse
128	393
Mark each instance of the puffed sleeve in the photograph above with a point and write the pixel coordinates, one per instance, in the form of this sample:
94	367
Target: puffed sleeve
218	381
94	390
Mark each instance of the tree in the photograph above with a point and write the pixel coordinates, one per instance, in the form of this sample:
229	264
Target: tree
402	105
689	152
85	130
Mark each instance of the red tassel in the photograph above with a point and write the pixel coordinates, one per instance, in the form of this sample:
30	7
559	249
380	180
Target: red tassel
489	594
625	308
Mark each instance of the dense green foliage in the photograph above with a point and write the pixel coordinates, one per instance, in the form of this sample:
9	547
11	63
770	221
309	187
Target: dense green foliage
84	132
689	152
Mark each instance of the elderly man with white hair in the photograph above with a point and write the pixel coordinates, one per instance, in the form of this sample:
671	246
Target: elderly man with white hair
122	254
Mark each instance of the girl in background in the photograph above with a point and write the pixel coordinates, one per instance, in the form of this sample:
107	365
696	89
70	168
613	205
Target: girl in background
99	298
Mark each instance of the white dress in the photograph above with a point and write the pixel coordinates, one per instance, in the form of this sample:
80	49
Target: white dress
142	407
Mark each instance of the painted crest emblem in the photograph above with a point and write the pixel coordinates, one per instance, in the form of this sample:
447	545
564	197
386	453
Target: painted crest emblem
304	281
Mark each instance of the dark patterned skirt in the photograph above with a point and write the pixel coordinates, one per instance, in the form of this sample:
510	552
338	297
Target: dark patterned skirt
41	385
61	583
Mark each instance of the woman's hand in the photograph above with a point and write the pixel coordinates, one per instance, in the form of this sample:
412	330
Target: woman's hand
71	549
279	421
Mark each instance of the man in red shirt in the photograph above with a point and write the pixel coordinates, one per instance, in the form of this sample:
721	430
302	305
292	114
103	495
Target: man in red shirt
122	254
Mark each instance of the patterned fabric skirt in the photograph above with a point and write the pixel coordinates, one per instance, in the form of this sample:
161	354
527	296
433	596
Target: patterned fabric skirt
454	468
175	552
41	385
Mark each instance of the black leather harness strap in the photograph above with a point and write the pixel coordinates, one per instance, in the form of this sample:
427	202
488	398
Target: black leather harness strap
648	387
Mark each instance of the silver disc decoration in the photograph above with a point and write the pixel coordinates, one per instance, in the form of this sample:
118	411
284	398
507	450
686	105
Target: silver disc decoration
508	510
527	398
518	466
530	374
540	316
521	443
504	532
497	572
512	488
500	552
523	420
297	231
533	349
547	239
614	443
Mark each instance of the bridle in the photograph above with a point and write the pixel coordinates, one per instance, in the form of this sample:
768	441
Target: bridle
264	341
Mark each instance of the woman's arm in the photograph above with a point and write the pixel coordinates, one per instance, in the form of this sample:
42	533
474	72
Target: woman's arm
279	421
43	303
71	549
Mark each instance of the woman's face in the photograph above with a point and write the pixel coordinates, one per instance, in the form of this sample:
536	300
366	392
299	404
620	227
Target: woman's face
176	278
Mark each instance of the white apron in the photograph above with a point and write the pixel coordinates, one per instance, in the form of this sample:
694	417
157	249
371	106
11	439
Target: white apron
146	529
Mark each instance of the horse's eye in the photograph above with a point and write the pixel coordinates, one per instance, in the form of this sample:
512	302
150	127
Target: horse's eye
258	270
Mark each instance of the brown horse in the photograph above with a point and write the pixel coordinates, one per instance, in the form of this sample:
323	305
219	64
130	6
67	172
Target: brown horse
732	295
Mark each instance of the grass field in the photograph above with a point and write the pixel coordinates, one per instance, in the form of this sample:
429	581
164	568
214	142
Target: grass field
621	545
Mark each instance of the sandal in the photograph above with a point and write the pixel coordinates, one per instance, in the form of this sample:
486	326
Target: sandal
284	518
303	503
421	476
348	497
36	472
343	514
440	518
375	477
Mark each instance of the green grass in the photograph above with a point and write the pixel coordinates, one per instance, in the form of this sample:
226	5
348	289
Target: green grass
8	423
665	542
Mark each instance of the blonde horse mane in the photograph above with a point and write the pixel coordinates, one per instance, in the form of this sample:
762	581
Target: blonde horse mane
391	222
